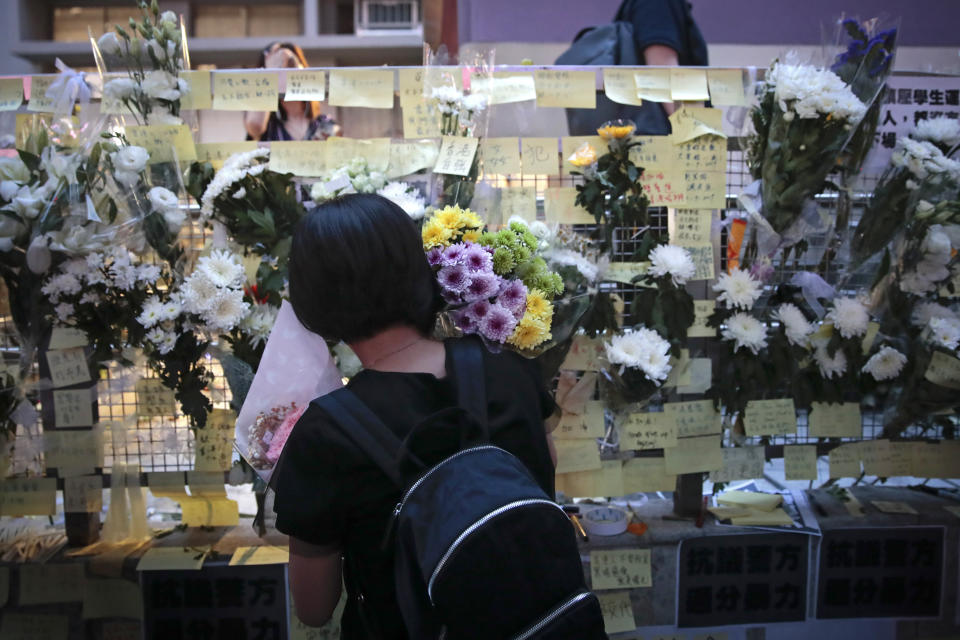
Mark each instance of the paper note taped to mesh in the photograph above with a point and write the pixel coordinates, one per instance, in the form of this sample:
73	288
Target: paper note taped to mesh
296	368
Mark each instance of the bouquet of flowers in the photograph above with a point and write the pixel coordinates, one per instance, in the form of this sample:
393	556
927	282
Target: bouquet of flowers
665	305
460	115
640	363
495	284
357	176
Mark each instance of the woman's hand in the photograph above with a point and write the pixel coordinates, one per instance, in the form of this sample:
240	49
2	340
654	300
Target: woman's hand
315	581
280	58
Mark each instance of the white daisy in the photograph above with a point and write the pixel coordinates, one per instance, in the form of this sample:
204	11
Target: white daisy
738	289
155	336
850	317
794	323
830	367
746	332
944	332
885	364
152	312
673	261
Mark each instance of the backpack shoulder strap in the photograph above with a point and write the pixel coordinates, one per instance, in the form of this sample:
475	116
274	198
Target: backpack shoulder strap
361	425
468	375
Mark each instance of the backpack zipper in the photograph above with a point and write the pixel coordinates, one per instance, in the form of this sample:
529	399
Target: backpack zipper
553	615
476	525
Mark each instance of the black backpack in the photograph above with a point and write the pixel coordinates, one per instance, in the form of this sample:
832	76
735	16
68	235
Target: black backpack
481	550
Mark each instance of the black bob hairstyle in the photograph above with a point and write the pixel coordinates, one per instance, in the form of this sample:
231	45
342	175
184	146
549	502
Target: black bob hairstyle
357	267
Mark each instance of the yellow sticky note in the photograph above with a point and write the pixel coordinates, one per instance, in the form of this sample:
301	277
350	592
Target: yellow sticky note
625	272
607	481
835	420
770	417
73	452
340	151
642	431
573	89
688	84
585	354
679	370
703	259
114	598
726	87
888	506
800	462
702	310
503	87
213	444
570	144
68	367
28	626
172	559
410	83
67	338
751	499
518	201
167	484
28	497
306	158
620	86
775	518
456	155
38	94
539	156
693	418
11	93
154	398
690	123
577	455
873	328
689	226
653	85
944	370
376	151
617	612
209	512
662	178
164	142
266	554
72	408
83	494
620	569
589	424
881	459
845	461
198	90
702	453
410	157
307	86
51	583
647	474
420	120
500	156
206	483
740	463
216	153
370	88
559	207
246	91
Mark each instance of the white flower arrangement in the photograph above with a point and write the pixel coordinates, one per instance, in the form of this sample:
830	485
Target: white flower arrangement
673	261
944	332
849	317
643	349
738	289
746	332
236	168
214	292
811	92
944	131
406	197
922	158
885	364
830	367
795	325
925	311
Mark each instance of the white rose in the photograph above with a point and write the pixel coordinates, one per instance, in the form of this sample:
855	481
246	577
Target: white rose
8	190
154	47
130	158
163	199
936	242
168	18
109	44
174	219
160	115
160	85
119	89
127	179
12	168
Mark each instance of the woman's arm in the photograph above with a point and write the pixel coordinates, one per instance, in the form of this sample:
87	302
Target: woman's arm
315	581
658	55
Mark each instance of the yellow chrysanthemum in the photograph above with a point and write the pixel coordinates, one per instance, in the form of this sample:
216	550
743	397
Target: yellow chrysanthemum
469	219
472	235
530	332
435	234
449	217
538	306
585	156
615	132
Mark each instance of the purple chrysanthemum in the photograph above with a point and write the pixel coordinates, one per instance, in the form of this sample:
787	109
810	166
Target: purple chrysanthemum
463	320
482	286
434	256
478	310
498	324
476	258
454	278
453	254
451	297
513	296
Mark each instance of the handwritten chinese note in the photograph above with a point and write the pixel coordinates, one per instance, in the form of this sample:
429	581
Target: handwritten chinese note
559	207
456	155
420	120
688	84
73	453
703	260
702	310
11	93
539	156
620	569
726	87
689	226
840	420
703	162
500	155
38	94
702	453
72	408
585	354
83	494
620	86
642	431
249	91
370	88
214	443
589	424
68	367
505	86
845	461
28	497
306	158
577	455
617	612
662	178
154	399
376	151
693	418
410	157
647	474
164	142
306	86
625	272
800	462
573	89
198	90
944	370
770	417
67	338
740	463
410	83
518	201
216	153
884	459
653	85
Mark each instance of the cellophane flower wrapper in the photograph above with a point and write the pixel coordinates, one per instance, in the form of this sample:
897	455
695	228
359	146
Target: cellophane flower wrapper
296	368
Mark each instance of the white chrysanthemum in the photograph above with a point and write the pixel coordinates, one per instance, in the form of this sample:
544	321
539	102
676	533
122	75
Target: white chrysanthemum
885	364
170	310
746	332
152	312
942	131
642	349
76	267
925	311
568	258
222	269
447	98
155	336
405	197
795	324
148	273
163	199
921	158
936	245
945	332
64	312
830	367
738	289
236	167
62	284
259	323
320	194
245	159
474	102
90	297
810	92
850	317
673	261
198	293
227	311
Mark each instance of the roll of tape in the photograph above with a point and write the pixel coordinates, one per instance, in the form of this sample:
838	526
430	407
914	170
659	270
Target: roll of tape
605	521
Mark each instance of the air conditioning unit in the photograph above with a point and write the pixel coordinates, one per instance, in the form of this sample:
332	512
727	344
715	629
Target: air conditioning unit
390	17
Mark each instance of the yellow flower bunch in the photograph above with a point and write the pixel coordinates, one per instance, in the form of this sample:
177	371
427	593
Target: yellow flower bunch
616	130
451	225
534	327
585	156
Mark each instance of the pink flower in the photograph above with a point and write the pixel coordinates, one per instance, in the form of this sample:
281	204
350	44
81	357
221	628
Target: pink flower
434	256
453	254
282	433
498	324
465	323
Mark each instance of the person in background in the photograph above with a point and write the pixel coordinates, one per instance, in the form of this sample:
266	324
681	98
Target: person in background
293	120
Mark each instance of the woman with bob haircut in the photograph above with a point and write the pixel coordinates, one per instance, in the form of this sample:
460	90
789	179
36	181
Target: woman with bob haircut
358	273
